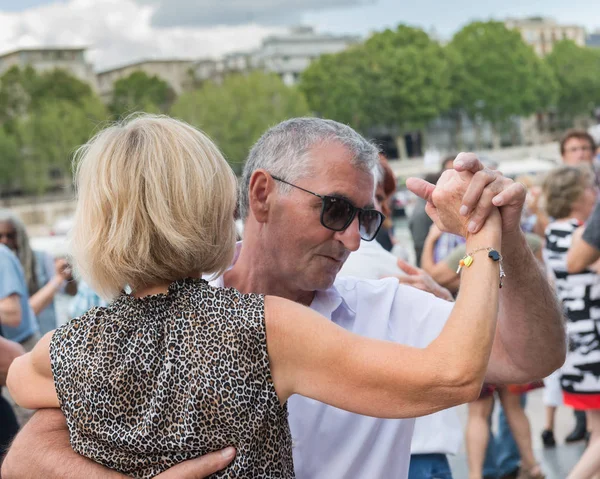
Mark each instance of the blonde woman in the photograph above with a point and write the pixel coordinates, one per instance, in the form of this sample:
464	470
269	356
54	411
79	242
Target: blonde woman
178	368
569	194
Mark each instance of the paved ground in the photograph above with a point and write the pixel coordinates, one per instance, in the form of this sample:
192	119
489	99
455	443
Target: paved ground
557	462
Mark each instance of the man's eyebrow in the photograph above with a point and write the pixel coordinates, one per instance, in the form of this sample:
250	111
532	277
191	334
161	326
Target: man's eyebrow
369	206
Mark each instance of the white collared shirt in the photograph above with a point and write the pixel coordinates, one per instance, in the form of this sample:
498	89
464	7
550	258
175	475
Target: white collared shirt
371	261
439	433
335	444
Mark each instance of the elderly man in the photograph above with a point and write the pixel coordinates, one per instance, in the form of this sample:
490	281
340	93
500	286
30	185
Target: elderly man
303	216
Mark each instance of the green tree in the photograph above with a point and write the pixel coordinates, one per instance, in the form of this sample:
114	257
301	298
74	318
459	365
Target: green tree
22	90
52	135
16	90
397	80
60	85
141	92
334	86
9	161
46	116
496	75
577	70
236	113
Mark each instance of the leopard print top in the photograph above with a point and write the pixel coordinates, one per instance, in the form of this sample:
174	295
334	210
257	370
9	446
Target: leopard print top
148	383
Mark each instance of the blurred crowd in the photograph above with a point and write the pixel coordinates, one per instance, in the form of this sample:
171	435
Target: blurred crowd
558	210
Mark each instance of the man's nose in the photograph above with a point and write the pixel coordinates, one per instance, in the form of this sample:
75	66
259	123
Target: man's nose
350	237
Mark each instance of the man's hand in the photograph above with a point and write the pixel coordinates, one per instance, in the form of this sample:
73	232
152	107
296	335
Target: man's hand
200	467
419	279
444	200
487	189
42	449
481	189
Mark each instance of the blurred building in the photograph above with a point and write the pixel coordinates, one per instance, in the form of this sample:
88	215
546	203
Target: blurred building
44	59
593	40
286	55
177	73
542	33
289	55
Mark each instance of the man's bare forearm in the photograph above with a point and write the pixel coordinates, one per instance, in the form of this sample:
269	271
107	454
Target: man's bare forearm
42	449
530	341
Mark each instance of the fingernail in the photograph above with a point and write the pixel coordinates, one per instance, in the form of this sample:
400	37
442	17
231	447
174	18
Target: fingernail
459	163
472	227
228	453
497	200
463	210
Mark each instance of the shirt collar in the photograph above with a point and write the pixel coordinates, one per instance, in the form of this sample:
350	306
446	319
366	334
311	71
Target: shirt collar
328	301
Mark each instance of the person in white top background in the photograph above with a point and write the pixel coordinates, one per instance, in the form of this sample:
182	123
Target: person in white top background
289	251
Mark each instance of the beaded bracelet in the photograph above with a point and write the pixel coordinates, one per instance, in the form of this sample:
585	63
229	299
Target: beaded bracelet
467	260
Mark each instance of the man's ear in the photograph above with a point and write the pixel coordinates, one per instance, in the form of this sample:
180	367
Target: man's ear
260	192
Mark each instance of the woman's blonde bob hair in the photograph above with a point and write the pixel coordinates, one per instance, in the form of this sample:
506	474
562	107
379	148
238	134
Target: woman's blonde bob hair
562	187
155	204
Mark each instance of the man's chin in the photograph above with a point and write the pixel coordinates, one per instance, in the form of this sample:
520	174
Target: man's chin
324	280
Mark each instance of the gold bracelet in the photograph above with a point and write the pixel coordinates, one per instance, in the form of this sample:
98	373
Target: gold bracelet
467	260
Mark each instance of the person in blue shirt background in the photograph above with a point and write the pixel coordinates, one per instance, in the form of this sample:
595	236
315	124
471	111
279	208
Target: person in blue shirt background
17	318
45	276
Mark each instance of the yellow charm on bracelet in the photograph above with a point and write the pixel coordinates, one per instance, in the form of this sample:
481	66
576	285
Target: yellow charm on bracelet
464	263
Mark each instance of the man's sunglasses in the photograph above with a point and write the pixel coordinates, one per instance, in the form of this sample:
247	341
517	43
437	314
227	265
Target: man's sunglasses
338	213
8	236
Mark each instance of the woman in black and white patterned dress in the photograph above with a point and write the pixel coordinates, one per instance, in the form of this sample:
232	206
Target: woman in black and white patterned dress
570	196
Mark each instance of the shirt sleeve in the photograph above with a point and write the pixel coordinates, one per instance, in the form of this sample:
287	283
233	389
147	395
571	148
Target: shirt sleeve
591	234
11	277
417	317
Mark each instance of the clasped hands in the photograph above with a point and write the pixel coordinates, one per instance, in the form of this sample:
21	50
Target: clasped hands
464	197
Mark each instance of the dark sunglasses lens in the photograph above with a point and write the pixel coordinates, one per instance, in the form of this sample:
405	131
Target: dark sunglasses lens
336	213
369	222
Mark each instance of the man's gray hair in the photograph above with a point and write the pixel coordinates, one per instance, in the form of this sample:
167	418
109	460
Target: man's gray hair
284	151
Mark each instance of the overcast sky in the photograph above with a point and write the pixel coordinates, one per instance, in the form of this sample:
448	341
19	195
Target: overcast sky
121	31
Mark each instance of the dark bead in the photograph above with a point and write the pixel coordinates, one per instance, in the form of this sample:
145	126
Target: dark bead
494	255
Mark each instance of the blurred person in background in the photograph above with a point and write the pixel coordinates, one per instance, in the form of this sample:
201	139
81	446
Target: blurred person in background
384	192
419	222
9	426
533	208
16	313
13	300
85	299
577	148
45	277
14	309
569	196
478	433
